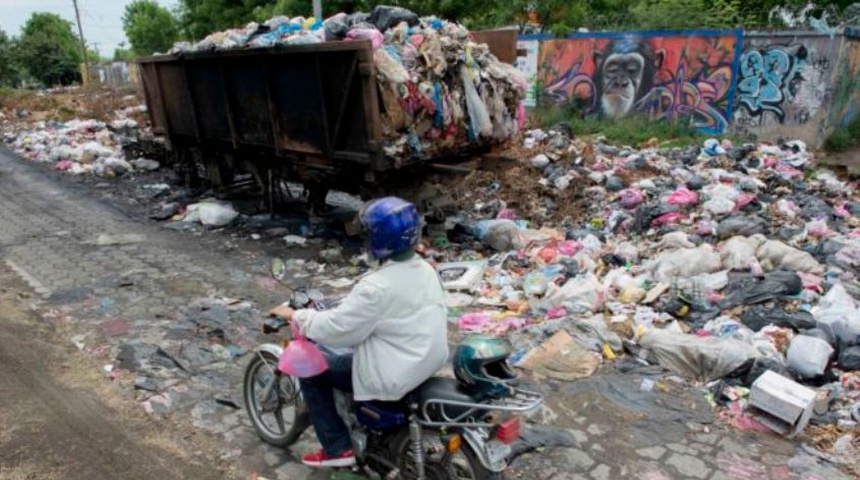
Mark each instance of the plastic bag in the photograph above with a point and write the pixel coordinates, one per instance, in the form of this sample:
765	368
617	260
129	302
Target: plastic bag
371	34
216	215
479	117
738	253
758	317
579	294
501	235
744	225
748	289
683	196
336	27
700	358
385	17
389	68
631	198
301	358
849	359
685	262
808	356
595	329
719	206
838	314
674	240
774	254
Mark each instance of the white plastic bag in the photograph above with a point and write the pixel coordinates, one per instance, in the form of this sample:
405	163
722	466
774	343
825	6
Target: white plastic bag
674	240
738	253
685	262
774	254
479	117
579	294
808	356
838	314
212	214
691	356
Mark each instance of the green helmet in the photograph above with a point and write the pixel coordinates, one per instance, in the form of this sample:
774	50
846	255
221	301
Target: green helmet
481	363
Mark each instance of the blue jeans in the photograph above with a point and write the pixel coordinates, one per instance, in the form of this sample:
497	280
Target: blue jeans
318	393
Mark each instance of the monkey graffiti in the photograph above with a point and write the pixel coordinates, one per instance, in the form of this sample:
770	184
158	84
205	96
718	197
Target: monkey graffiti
671	77
624	74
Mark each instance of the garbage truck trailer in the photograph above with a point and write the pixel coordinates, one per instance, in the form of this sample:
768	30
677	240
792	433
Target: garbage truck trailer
308	114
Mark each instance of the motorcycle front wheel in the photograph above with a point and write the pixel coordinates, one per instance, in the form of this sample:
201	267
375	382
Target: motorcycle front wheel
273	401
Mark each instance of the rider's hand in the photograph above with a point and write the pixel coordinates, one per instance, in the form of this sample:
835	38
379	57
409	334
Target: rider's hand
282	311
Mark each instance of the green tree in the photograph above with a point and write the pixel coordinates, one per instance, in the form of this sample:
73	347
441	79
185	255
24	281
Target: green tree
150	28
10	66
49	49
199	18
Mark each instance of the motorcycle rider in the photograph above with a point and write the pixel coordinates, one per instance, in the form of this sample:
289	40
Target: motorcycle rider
396	320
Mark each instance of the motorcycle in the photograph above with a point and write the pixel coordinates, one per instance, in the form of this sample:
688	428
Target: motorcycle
440	431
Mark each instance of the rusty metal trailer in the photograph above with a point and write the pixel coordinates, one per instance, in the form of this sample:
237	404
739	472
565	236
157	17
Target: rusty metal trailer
304	113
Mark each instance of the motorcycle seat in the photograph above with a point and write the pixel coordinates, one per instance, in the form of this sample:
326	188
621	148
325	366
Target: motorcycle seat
441	388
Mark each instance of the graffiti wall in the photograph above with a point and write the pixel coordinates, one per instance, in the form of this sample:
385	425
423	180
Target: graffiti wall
679	77
846	97
785	85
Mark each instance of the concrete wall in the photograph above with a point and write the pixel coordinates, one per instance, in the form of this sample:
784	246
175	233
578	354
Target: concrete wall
846	96
771	85
680	76
785	85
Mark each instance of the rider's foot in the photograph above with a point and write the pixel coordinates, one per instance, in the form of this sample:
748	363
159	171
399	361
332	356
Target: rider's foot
320	459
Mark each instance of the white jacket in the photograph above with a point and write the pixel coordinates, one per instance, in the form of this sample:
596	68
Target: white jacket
397	321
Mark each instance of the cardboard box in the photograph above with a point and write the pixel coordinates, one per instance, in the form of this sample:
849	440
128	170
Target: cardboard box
785	406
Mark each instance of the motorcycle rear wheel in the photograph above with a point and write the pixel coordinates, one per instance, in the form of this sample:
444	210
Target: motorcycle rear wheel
463	465
284	404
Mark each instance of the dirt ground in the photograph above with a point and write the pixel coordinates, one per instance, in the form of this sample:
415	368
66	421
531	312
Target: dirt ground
61	419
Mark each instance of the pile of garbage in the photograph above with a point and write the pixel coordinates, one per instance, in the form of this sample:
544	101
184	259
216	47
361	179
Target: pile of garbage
719	263
440	91
81	145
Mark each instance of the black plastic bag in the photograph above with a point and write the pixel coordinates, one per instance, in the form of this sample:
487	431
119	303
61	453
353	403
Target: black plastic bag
763	364
385	17
758	317
745	225
336	27
747	289
849	358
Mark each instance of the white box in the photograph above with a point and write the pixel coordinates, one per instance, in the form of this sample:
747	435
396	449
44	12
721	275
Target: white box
785	406
462	276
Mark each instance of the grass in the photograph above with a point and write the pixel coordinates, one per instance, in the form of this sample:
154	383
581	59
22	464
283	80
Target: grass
844	138
631	131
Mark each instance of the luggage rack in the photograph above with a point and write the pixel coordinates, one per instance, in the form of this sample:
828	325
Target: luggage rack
520	402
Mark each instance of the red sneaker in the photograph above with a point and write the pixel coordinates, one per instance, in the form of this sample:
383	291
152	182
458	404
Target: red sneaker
320	459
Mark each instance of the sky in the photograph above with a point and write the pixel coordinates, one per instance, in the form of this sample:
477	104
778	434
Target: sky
100	19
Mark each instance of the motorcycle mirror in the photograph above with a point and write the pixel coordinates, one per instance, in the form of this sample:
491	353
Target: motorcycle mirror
300	299
278	269
316	295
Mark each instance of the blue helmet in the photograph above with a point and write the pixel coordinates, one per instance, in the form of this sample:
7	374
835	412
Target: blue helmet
392	225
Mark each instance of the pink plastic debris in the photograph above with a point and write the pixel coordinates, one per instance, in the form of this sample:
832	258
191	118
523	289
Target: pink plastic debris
819	229
841	211
631	198
704	228
811	281
556	312
569	248
521	115
668	219
474	322
64	165
507	214
743	200
683	196
372	34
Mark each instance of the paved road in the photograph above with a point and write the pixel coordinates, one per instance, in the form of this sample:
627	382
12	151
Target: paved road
165	305
61	421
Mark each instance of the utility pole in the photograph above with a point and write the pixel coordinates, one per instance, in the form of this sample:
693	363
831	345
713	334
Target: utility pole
317	9
86	67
